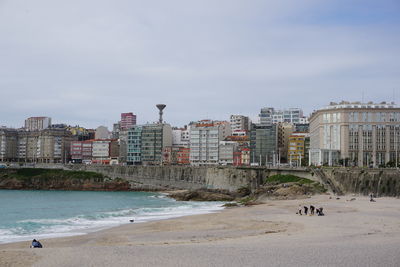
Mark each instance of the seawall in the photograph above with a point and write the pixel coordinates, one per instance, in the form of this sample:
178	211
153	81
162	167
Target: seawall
381	182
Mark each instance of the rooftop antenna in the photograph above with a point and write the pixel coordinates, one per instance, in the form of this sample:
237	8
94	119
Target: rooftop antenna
161	108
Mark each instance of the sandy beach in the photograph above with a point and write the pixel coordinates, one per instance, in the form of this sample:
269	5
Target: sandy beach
352	233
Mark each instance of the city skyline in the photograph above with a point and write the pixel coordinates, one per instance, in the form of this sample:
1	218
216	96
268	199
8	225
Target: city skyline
85	63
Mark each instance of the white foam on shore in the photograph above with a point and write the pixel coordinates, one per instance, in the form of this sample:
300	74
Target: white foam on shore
80	225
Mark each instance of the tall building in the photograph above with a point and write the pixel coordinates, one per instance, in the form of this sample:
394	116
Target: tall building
291	115
8	144
37	123
204	141
269	115
155	137
265	116
263	144
362	134
134	145
146	143
127	120
239	123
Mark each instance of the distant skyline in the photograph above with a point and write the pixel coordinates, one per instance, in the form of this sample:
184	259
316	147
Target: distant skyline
85	62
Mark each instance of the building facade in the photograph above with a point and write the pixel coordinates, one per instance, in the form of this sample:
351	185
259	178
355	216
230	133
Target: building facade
356	134
204	141
239	123
37	123
8	145
128	120
154	138
298	149
264	144
134	145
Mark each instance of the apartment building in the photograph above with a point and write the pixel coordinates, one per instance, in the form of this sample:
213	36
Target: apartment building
8	144
134	145
239	123
226	152
205	136
37	123
298	148
104	151
128	120
181	137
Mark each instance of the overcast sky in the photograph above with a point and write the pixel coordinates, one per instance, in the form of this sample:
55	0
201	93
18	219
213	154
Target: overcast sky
86	61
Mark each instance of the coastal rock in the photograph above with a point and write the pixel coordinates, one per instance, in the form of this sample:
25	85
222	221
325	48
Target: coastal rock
201	195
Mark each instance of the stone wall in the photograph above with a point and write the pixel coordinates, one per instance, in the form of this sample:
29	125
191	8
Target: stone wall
382	182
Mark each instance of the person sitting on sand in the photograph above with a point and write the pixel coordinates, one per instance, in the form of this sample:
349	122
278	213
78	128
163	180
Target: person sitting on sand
312	209
36	244
371	198
320	212
305	210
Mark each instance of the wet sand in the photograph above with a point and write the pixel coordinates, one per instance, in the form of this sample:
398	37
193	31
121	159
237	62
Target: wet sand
353	233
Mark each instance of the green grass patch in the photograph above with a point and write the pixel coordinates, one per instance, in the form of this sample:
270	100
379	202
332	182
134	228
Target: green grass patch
287	178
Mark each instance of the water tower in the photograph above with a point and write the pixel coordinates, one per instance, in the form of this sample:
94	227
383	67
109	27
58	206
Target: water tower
161	108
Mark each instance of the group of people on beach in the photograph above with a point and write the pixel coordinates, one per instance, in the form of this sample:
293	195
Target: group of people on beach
313	210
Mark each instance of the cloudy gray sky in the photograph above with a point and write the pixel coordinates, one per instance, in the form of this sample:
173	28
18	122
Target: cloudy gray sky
86	61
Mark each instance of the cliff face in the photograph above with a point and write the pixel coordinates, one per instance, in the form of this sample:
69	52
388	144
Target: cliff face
59	180
381	182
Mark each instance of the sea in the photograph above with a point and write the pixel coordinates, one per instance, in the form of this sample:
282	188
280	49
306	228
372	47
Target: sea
28	214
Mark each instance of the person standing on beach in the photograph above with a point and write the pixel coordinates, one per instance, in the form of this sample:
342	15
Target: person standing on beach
305	210
300	209
312	208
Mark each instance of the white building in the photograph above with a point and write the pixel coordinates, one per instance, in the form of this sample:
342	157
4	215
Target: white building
181	137
204	141
37	123
239	123
270	115
101	149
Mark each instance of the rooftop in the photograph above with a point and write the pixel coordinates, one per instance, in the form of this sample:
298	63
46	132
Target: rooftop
346	104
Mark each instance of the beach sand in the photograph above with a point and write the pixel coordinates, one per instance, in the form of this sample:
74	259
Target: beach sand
352	233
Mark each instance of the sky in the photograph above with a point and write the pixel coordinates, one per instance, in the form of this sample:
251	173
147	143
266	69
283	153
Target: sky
83	62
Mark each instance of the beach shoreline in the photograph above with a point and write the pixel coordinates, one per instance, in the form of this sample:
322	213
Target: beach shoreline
352	229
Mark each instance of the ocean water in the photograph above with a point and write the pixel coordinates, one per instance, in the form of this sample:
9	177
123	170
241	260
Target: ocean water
27	214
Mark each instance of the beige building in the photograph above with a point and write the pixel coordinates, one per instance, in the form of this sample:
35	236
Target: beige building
53	146
37	123
356	134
